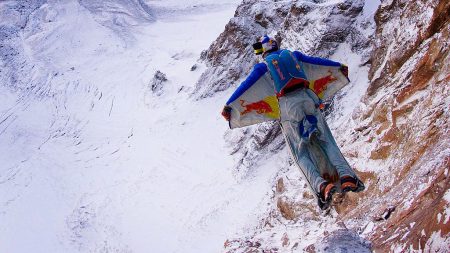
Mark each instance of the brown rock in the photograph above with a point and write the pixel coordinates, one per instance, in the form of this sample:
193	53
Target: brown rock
280	186
287	209
285	240
310	249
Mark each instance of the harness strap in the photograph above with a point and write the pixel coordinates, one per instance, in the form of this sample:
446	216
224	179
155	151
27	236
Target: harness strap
293	85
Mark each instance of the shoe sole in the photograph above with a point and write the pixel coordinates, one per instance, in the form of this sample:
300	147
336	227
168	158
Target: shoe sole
349	186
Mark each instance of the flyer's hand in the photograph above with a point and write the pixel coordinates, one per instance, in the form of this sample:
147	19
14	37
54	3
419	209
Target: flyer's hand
321	106
344	70
226	112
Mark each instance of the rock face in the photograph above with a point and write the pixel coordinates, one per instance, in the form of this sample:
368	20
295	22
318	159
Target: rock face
342	240
406	127
397	138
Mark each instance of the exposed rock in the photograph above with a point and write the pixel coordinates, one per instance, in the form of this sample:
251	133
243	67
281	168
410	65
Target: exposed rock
280	185
157	83
310	249
285	240
287	209
303	31
386	214
408	126
342	240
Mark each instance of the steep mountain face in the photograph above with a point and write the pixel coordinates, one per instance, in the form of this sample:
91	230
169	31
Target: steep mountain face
391	122
402	132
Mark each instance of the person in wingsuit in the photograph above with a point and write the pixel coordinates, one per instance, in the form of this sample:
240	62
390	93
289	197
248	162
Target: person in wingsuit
308	136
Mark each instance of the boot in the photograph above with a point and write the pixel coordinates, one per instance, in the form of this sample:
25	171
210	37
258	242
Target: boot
349	183
326	193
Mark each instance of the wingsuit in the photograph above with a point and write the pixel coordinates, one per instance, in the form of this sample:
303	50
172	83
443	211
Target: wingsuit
307	134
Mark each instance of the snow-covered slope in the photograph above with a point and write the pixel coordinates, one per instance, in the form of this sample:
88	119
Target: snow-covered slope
93	159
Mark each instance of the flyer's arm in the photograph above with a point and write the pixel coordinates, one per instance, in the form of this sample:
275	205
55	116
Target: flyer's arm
258	71
315	60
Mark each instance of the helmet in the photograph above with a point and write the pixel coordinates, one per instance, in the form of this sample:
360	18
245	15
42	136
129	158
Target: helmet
265	44
268	44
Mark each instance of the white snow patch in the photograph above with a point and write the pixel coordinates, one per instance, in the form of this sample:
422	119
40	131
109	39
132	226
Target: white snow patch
405	235
370	7
353	91
370	226
436	242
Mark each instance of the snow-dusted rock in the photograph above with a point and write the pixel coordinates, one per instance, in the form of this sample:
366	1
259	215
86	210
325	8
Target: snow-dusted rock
157	83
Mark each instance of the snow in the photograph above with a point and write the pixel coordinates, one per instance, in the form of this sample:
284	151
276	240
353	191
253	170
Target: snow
447	196
369	227
435	242
370	7
354	91
397	248
93	161
392	237
405	236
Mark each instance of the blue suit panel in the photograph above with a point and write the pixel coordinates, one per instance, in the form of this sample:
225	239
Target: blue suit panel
284	68
315	60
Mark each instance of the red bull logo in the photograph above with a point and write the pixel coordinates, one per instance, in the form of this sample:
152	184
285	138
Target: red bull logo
260	107
321	84
277	67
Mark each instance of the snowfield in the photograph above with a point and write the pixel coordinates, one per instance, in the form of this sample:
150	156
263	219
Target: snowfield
92	159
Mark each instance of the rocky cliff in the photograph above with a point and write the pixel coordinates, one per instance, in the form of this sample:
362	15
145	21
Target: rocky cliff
391	122
402	132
